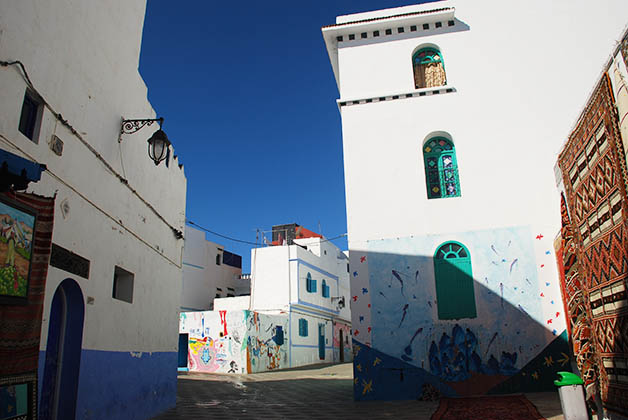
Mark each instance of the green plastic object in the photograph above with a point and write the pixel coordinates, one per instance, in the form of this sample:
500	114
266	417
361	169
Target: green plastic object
568	378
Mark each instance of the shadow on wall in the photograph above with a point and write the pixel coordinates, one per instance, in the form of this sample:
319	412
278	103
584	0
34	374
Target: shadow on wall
442	326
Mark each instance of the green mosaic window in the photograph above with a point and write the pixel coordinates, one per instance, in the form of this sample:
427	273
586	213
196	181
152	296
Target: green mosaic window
441	168
454	282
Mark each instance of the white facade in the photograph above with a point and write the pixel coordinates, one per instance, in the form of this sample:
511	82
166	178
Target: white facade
529	107
515	82
279	283
206	274
114	207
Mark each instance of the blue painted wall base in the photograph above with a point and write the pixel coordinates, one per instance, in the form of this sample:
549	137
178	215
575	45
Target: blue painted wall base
122	385
378	376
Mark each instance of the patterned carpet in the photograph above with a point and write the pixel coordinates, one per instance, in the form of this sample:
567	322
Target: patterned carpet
509	407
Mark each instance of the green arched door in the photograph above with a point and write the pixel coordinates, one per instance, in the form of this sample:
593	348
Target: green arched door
454	282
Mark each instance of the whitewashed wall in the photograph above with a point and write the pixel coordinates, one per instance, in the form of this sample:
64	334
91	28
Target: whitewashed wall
82	57
528	105
202	277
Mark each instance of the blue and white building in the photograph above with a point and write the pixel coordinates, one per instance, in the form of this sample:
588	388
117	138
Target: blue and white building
309	280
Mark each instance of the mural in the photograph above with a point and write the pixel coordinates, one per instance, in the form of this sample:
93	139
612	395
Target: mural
235	341
266	341
519	312
347	351
16	238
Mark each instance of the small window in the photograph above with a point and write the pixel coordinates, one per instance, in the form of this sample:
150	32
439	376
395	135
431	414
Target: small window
30	116
278	337
217	259
217	295
302	327
230	295
310	283
429	68
325	289
123	285
348	271
441	168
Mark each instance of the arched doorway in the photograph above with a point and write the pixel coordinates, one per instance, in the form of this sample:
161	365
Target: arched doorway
454	282
63	353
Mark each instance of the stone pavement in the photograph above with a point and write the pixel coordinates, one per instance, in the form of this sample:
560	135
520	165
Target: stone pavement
313	392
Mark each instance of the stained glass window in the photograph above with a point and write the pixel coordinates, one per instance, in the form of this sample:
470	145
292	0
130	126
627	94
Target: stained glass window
429	68
441	170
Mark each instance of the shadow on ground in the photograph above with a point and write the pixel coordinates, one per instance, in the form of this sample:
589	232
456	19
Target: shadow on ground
323	398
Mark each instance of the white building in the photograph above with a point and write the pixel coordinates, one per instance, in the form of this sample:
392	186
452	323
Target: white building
309	280
209	272
118	217
297	314
461	108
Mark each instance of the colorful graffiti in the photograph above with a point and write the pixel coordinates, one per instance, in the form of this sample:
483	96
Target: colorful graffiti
347	353
235	341
266	342
514	288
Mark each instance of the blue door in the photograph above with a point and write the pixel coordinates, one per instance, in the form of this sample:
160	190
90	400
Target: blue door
63	353
321	341
183	350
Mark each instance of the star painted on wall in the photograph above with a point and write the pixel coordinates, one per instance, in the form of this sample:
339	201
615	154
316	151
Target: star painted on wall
364	290
355	274
355	381
564	360
535	375
368	386
377	361
539	236
358	367
362	259
548	361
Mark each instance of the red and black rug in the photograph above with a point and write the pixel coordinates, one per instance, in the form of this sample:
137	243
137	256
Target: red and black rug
507	407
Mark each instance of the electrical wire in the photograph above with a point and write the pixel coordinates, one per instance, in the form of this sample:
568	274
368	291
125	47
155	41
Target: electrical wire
177	233
189	222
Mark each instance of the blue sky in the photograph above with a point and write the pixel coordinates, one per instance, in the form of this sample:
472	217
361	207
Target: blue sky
248	96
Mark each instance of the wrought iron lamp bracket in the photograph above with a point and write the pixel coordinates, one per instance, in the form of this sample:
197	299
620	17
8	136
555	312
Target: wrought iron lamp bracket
133	126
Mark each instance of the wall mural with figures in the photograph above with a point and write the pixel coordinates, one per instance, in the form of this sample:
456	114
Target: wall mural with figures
416	335
238	341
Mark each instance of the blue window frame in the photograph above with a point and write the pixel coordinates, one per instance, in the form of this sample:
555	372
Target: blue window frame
310	283
303	327
325	289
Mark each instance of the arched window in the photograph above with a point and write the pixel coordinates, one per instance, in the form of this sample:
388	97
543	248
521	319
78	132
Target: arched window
429	68
310	283
455	297
325	289
441	168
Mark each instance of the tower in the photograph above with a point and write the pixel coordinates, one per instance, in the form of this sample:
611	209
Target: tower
451	118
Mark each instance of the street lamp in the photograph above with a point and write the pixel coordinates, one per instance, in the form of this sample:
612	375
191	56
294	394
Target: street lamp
158	143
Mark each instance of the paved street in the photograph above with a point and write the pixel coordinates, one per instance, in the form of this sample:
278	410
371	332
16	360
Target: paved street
319	392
